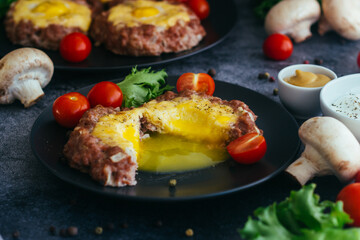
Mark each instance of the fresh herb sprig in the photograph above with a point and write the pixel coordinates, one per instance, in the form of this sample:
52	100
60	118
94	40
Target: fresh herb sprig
142	85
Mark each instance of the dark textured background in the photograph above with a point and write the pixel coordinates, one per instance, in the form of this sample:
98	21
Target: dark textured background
32	199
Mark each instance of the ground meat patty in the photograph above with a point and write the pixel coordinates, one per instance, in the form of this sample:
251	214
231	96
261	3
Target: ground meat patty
105	164
25	33
147	40
111	165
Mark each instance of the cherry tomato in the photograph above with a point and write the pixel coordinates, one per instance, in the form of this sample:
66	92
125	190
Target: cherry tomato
69	108
200	82
200	7
358	59
75	47
278	47
105	93
350	195
248	148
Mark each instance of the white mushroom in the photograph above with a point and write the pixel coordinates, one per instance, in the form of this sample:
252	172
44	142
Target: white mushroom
330	148
342	16
23	74
293	18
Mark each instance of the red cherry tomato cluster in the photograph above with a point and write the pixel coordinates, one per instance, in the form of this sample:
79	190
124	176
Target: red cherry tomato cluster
199	82
69	108
278	47
75	47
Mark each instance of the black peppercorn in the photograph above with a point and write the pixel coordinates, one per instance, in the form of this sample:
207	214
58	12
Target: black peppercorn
264	75
319	61
275	91
212	72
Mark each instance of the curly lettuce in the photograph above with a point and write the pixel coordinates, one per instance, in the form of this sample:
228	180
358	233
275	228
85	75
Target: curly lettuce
142	85
300	217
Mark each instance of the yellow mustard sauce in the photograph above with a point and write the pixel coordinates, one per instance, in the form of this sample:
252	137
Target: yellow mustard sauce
307	79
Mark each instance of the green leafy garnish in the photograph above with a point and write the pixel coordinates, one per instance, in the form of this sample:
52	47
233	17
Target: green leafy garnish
142	85
300	217
4	6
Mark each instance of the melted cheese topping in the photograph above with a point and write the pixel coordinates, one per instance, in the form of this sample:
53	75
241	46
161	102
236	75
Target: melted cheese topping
42	13
191	133
136	13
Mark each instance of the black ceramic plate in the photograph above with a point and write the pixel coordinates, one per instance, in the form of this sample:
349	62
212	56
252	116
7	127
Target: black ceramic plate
219	23
280	130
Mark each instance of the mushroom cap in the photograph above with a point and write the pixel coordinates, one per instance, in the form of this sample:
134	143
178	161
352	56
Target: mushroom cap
20	65
343	16
293	17
334	143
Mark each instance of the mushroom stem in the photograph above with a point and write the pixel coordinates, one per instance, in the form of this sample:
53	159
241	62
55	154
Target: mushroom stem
28	92
309	165
330	148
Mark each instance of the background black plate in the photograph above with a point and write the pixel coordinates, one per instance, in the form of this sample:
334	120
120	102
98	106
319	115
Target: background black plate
219	23
280	130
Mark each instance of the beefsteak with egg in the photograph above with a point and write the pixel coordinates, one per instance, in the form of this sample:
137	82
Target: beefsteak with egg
42	24
108	144
147	28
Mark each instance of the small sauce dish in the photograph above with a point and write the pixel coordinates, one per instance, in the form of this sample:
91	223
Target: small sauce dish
338	99
302	102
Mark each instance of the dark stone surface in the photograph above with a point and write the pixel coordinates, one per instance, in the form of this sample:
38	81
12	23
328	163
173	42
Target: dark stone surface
32	199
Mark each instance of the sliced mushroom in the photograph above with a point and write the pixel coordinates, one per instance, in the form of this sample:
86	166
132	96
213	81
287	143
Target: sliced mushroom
342	16
330	148
293	18
23	74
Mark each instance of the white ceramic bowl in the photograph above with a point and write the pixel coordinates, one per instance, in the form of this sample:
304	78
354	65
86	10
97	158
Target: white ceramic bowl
302	102
333	91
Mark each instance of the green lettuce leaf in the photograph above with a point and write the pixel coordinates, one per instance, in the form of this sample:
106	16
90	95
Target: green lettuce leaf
142	85
300	217
4	5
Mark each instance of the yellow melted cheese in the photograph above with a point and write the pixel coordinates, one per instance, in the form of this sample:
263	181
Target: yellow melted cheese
135	13
42	13
192	133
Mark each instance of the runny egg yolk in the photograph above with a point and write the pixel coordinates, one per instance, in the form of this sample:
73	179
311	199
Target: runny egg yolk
170	153
158	13
42	13
51	9
191	133
145	12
